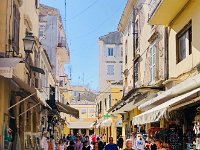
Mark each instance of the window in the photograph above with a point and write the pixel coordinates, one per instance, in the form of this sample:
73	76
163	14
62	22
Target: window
136	70
36	3
136	34
100	106
76	93
91	113
153	61
110	70
83	111
184	42
16	27
126	52
110	52
105	104
91	110
110	101
41	30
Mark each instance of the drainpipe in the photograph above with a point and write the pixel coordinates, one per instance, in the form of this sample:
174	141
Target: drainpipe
133	46
166	49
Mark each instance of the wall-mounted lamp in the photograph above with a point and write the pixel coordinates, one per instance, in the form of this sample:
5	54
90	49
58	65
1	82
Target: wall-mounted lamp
29	42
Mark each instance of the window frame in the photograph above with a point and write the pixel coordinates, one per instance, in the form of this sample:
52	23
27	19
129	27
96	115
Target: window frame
153	65
136	34
110	51
136	70
188	49
110	70
16	28
110	100
105	104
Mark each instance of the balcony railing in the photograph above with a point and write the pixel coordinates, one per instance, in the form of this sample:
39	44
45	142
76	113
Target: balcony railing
62	42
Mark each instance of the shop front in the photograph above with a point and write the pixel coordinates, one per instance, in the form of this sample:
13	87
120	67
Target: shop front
178	121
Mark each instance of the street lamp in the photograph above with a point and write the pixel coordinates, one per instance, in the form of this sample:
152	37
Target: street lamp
29	42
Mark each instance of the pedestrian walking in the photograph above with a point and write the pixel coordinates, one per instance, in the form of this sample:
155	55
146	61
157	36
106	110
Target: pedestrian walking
96	146
100	144
86	146
111	145
140	143
53	142
50	146
129	144
159	145
133	138
104	139
71	146
43	142
78	145
120	142
94	138
61	145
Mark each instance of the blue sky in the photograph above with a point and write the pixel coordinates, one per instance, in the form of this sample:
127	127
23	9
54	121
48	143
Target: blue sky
86	21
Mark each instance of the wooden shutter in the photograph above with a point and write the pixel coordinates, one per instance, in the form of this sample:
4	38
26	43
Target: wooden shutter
16	27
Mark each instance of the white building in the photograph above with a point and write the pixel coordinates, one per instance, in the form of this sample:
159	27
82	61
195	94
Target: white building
110	59
53	37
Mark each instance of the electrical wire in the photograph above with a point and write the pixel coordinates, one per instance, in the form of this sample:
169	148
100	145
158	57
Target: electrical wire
100	25
83	11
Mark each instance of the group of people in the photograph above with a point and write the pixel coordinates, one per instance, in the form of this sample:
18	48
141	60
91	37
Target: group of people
85	142
138	143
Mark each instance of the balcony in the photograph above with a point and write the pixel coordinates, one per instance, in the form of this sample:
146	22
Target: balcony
63	55
62	42
162	12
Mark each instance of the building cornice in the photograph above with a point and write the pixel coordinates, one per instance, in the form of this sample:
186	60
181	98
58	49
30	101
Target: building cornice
126	15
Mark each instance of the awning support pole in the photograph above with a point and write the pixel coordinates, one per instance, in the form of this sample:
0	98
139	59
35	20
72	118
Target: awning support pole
21	101
29	109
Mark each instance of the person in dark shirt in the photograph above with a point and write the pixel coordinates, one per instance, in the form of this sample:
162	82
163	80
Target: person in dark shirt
120	142
71	146
86	146
111	145
100	144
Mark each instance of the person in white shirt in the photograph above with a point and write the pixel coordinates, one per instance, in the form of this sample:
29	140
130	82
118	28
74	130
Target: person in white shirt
43	142
140	143
133	137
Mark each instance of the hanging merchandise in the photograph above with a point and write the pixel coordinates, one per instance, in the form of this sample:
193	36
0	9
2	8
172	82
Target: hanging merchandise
197	122
196	128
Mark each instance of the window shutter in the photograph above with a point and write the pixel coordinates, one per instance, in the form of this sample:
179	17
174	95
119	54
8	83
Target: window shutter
153	62
16	27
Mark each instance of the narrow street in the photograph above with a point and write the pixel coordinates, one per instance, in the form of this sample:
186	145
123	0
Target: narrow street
100	75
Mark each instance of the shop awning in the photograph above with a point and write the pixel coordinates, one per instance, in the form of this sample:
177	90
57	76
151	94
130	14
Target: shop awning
67	109
156	113
106	123
132	102
93	124
26	87
80	125
23	85
36	69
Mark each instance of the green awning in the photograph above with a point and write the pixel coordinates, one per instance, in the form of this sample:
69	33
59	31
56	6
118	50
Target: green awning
36	69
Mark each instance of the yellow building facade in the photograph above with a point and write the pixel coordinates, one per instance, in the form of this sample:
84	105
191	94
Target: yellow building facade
108	124
17	18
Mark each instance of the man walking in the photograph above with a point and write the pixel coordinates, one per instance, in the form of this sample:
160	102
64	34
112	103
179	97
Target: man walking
129	144
111	145
43	142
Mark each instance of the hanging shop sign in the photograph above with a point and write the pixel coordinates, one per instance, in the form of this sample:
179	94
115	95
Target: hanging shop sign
106	116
